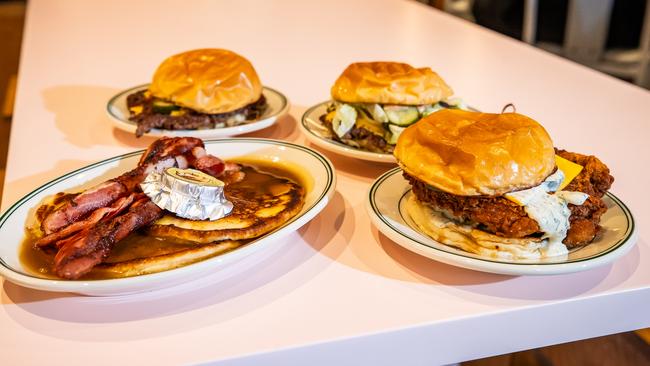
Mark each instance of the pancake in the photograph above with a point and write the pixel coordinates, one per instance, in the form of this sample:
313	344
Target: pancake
160	263
262	202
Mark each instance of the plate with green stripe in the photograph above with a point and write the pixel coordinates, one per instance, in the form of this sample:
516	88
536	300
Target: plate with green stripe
386	205
277	105
316	175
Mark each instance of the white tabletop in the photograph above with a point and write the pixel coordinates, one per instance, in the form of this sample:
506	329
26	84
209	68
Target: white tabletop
338	292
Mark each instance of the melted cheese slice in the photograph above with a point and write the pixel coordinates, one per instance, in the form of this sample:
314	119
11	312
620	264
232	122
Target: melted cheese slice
569	168
137	109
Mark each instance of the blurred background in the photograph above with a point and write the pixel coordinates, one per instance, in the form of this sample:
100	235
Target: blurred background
612	36
12	17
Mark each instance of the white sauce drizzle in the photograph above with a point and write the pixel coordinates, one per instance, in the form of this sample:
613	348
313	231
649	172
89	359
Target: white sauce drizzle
550	210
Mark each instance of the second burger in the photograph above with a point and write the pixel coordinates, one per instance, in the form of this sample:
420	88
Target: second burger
199	89
373	102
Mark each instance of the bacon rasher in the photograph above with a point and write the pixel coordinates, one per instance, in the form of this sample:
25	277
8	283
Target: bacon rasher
85	229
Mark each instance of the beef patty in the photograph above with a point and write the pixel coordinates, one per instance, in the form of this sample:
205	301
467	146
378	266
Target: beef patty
186	118
362	138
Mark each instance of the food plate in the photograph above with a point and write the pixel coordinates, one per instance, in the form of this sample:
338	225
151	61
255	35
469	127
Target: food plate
319	190
385	205
278	105
318	134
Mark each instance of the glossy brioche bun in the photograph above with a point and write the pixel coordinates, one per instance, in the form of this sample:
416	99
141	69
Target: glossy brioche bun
389	83
207	80
470	153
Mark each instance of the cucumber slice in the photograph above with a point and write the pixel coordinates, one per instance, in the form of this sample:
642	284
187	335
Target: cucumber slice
427	109
454	103
401	115
344	119
164	107
393	135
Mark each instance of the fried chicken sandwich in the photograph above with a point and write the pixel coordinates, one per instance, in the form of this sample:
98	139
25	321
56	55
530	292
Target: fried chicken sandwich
494	185
199	89
373	102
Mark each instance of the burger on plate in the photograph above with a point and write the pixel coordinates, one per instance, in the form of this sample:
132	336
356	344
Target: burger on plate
373	102
494	185
199	89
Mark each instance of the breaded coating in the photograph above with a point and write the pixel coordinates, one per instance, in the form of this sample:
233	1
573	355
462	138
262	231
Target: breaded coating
594	179
500	216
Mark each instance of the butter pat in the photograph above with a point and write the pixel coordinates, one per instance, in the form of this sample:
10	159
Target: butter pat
188	193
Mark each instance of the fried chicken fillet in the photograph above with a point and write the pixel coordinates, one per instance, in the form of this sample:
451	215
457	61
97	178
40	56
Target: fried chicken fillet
500	216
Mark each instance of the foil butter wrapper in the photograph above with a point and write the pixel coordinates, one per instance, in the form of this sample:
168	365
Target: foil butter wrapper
188	193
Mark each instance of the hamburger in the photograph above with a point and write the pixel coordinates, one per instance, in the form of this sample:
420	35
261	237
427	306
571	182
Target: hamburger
494	185
199	89
373	102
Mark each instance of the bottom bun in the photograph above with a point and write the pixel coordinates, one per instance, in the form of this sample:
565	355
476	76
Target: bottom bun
447	231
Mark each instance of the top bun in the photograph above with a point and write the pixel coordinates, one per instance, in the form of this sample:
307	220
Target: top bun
207	80
470	153
389	83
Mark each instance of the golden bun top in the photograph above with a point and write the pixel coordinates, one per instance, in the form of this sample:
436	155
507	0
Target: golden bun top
389	83
207	80
470	153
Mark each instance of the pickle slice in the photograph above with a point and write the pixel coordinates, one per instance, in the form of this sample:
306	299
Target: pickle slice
161	106
401	115
393	135
428	109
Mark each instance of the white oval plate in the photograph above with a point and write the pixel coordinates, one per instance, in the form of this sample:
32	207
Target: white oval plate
12	222
278	105
385	205
318	134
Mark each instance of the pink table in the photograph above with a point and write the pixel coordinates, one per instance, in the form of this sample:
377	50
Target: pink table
339	292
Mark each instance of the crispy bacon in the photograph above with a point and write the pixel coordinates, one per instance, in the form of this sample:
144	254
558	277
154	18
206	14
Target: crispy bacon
92	199
78	257
163	153
99	214
86	228
210	165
